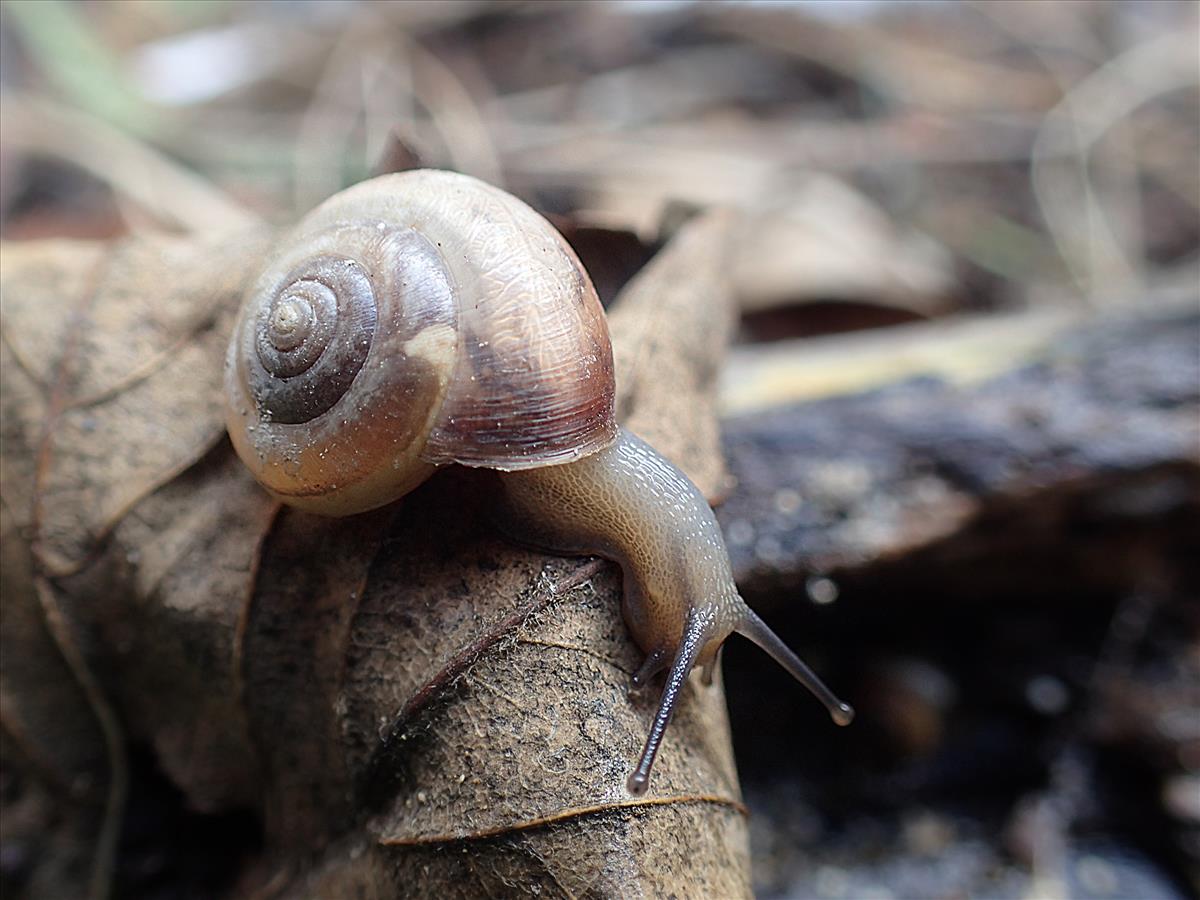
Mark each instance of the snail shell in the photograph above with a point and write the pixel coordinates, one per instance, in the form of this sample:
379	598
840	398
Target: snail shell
409	322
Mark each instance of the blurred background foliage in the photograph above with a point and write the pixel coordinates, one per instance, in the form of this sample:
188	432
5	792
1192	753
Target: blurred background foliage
897	163
995	154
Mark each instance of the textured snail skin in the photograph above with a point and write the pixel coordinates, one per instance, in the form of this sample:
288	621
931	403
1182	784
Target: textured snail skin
424	319
629	504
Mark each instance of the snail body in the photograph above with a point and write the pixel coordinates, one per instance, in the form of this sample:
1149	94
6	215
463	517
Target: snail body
426	319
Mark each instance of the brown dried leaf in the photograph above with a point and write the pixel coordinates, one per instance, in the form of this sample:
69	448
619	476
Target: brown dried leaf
402	678
107	393
118	353
166	604
56	807
474	696
293	647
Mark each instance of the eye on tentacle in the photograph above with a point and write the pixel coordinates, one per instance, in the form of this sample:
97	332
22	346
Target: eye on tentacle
697	633
754	628
695	636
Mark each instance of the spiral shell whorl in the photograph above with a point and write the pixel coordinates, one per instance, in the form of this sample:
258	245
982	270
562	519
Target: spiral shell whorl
312	339
339	363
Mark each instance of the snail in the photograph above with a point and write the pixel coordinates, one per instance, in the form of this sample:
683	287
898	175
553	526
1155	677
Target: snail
426	318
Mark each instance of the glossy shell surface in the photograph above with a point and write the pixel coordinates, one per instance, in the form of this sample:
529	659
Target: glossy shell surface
412	321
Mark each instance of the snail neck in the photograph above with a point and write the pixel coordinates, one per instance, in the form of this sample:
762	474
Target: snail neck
629	504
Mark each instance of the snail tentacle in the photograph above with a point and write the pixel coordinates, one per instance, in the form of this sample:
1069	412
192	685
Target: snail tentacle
695	636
